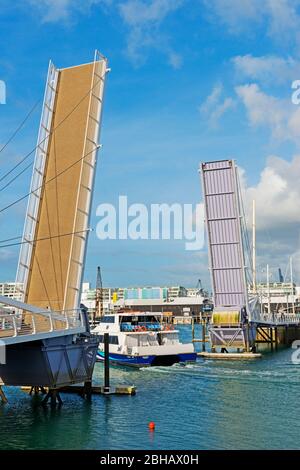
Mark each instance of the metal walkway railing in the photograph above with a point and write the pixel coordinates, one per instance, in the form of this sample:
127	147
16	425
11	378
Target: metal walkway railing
16	325
275	318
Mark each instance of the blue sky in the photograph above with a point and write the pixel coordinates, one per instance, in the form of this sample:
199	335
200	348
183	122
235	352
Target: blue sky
191	80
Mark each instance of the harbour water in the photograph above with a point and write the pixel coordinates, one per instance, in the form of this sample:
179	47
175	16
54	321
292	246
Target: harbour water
208	405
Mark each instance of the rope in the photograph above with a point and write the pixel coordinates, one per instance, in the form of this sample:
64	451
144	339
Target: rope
57	217
41	239
20	126
51	132
245	234
42	278
46	182
17	176
51	246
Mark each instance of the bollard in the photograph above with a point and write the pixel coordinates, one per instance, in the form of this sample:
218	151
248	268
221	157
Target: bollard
203	335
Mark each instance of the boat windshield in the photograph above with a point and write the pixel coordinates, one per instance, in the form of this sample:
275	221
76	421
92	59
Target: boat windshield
140	323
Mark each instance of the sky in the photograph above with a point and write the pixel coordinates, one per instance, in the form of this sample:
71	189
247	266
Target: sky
190	81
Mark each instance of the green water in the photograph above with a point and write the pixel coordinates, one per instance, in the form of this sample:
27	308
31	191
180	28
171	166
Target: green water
208	405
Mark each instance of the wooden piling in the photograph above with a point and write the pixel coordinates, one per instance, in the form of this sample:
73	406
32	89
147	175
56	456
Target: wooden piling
247	338
203	335
193	329
271	338
87	388
106	362
53	395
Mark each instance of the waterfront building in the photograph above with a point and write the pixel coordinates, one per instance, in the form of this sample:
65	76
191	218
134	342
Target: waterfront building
164	298
280	295
153	298
11	290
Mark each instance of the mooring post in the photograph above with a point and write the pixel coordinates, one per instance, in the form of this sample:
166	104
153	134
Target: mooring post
193	329
286	335
276	338
271	336
53	395
247	338
106	362
203	335
88	389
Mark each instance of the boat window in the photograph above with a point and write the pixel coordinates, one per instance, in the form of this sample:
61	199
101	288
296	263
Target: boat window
132	341
152	340
112	339
108	319
126	319
143	340
149	319
170	338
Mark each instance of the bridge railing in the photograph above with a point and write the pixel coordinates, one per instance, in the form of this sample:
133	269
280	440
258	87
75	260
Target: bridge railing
275	318
12	325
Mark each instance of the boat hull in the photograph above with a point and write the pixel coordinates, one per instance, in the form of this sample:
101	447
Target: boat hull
148	361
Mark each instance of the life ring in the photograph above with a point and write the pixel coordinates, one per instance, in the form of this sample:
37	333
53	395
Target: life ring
143	328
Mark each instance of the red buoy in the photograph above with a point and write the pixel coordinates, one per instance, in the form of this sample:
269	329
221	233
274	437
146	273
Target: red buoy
151	426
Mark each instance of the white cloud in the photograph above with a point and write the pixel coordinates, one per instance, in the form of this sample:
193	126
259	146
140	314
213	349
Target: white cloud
278	18
6	254
277	196
283	17
144	20
281	116
53	11
216	105
139	12
175	60
234	13
212	99
277	193
267	69
263	109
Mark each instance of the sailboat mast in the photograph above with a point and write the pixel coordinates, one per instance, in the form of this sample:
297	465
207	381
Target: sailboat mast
268	287
292	285
253	246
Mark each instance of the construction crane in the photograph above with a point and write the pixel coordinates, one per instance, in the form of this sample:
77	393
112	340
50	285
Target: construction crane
98	313
199	286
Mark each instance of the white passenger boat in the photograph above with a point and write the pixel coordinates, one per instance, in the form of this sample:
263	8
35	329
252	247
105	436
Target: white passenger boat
142	339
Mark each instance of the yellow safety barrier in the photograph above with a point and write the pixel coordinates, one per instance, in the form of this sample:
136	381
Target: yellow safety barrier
226	318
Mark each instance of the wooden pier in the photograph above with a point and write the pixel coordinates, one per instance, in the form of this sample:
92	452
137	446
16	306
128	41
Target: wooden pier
100	390
229	356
